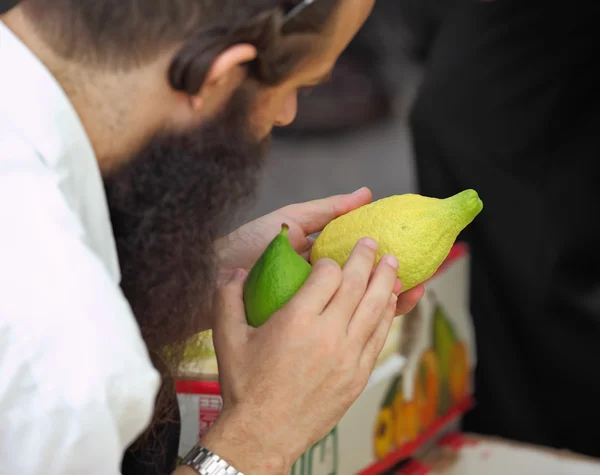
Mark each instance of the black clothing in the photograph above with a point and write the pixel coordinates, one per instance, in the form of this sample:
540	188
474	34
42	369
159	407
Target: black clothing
509	106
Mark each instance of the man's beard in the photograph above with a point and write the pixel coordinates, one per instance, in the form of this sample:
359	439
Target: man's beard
168	205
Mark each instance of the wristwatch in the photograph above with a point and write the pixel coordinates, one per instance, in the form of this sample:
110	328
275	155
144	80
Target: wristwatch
206	463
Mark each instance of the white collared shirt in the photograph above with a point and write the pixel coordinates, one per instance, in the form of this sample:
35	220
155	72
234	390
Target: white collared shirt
76	382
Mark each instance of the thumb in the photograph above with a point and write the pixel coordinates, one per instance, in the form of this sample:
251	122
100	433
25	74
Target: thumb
314	215
231	318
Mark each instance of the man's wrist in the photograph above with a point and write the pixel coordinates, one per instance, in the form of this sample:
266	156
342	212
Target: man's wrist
233	440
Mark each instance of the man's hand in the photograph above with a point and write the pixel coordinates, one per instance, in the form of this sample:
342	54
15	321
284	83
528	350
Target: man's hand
286	384
243	247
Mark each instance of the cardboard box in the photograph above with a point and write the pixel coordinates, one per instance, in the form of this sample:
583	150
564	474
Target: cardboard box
470	454
422	384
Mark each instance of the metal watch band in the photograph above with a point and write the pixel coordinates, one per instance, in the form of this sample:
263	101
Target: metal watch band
206	463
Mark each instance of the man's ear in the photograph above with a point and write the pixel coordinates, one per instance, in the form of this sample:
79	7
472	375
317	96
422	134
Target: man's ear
225	75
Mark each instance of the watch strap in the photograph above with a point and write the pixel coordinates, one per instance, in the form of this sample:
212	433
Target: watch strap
206	462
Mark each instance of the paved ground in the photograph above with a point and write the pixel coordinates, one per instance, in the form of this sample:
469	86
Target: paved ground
380	158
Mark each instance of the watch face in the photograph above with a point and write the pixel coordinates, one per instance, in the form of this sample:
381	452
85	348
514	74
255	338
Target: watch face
6	5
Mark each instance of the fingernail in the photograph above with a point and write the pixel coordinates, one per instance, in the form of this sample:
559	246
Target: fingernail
391	261
369	243
359	191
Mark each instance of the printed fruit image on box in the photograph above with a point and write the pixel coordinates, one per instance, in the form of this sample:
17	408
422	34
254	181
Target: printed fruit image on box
420	385
438	381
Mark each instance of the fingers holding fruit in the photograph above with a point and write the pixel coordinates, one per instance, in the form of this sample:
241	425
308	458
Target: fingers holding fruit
313	333
407	301
318	290
304	352
356	276
377	340
374	304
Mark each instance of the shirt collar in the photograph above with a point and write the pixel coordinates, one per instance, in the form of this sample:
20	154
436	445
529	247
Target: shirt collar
37	107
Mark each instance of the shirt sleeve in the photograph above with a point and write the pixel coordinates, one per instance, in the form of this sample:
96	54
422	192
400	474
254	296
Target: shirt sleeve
77	386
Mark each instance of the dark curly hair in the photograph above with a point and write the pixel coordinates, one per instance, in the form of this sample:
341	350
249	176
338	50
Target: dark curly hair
123	34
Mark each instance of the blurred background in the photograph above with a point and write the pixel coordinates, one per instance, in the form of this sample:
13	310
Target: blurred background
353	131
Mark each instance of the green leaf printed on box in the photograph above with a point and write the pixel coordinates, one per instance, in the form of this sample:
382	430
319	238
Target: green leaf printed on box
320	459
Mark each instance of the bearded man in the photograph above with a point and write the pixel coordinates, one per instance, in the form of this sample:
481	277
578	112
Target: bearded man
131	131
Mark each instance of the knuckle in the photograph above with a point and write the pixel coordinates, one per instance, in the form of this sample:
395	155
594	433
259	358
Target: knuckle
330	344
386	272
288	311
375	305
298	321
355	282
292	320
329	269
364	251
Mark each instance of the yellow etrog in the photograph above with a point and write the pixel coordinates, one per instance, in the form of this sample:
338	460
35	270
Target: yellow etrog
418	230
